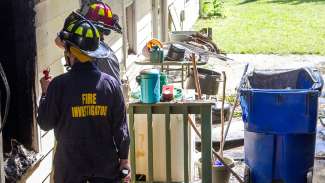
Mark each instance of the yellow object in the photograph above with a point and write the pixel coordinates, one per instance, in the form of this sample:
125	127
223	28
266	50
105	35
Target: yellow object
101	12
89	33
79	55
79	31
70	27
154	42
109	14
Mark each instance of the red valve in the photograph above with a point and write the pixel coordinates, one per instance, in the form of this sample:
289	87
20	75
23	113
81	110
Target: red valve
46	73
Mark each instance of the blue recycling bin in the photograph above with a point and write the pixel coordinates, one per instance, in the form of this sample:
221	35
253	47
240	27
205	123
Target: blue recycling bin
280	115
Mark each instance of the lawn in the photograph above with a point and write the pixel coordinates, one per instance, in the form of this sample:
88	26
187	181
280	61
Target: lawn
270	27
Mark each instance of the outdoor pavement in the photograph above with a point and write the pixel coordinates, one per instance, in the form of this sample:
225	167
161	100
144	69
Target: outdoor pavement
234	68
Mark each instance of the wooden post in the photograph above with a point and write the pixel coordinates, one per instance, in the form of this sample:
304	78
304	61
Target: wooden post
206	144
150	144
186	153
168	145
132	133
2	172
196	77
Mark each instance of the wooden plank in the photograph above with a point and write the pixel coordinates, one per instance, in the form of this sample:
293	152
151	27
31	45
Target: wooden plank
2	173
186	149
132	132
40	170
176	108
168	145
192	107
206	144
150	145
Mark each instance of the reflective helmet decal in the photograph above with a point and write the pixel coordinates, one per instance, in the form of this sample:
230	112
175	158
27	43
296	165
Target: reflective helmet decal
109	14
89	33
70	27
79	31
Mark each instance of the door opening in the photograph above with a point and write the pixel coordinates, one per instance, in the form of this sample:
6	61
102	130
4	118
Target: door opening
130	26
18	57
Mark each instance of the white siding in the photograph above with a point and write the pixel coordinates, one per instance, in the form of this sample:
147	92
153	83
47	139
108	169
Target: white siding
143	23
50	15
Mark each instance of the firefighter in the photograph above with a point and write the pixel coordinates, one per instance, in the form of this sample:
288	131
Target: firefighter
100	14
86	109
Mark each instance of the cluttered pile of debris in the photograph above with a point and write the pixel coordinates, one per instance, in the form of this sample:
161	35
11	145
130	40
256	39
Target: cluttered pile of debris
18	161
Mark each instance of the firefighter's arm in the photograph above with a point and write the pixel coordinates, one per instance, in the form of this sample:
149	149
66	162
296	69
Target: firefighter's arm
120	129
48	108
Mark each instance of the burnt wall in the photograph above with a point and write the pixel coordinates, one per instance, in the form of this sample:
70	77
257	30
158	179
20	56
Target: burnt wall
18	56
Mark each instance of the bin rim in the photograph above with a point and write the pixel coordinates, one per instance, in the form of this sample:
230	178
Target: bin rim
287	91
313	72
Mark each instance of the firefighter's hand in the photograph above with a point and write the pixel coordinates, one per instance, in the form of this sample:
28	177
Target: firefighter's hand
124	164
45	83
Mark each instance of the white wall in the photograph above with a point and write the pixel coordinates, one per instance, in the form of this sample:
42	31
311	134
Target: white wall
143	23
50	15
191	10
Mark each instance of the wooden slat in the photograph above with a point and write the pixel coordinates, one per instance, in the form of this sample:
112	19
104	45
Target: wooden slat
168	145
175	108
132	133
150	145
185	108
186	144
206	144
2	173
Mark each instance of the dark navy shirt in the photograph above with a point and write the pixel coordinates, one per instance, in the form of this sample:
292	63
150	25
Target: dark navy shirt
86	109
110	65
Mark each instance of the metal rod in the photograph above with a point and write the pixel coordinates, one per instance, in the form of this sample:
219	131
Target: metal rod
216	154
222	113
197	131
235	104
196	77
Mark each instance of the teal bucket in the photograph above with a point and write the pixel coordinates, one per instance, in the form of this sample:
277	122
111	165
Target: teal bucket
150	86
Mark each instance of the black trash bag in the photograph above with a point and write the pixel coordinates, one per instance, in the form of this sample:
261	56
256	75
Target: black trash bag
18	161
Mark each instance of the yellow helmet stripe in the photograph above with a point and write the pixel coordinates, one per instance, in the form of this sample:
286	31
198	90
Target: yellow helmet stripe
93	6
70	27
101	12
109	14
89	33
79	31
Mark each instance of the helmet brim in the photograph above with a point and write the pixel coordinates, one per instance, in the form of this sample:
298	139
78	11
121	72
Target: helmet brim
117	28
101	52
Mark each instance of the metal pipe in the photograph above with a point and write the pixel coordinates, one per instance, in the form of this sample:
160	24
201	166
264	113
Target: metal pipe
222	139
235	104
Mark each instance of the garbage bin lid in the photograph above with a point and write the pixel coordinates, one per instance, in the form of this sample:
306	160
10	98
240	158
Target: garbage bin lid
150	73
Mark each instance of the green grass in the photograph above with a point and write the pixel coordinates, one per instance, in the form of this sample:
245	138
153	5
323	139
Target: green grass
270	27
